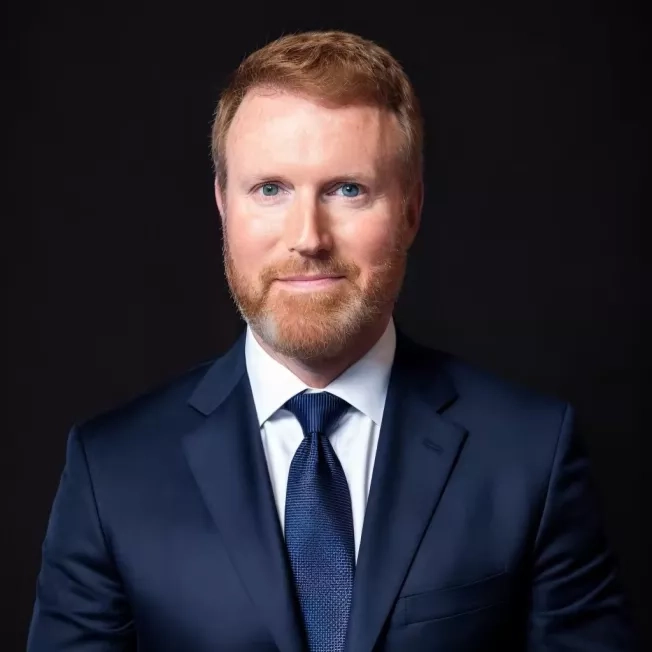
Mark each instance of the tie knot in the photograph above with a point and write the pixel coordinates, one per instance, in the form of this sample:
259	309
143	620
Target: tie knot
317	413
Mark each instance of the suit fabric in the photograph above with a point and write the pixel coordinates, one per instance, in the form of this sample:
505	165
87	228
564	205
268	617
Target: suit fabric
481	531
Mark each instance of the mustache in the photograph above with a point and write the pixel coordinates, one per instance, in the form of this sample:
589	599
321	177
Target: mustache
305	266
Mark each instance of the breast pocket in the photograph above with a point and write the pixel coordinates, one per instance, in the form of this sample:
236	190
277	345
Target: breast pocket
451	601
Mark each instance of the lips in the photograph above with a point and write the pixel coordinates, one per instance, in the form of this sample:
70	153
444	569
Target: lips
316	282
310	279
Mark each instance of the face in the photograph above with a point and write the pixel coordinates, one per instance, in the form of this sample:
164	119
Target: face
316	223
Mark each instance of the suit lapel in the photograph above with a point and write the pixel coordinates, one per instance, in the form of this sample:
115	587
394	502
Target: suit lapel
227	459
416	453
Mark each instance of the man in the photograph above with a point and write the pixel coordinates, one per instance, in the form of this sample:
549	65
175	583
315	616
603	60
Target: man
327	484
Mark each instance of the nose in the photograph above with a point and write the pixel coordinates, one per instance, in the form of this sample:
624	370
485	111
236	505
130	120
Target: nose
307	229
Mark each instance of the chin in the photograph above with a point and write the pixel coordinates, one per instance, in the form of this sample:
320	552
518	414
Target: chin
312	334
315	326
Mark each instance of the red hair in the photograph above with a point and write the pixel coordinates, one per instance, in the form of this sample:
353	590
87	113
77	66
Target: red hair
331	66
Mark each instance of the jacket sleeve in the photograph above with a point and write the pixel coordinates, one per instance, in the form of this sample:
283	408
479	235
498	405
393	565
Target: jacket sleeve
577	602
80	604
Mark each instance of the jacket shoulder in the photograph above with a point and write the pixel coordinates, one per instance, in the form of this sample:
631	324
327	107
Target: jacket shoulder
485	396
162	409
513	428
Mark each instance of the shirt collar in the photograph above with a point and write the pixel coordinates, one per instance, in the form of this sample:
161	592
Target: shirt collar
363	385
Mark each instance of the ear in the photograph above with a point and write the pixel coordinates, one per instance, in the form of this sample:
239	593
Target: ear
219	198
413	208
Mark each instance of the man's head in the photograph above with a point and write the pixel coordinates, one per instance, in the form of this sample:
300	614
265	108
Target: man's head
317	147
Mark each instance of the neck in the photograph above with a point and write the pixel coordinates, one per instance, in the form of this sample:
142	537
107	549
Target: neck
319	373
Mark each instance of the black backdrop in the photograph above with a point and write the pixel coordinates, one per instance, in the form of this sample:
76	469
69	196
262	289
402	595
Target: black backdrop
530	260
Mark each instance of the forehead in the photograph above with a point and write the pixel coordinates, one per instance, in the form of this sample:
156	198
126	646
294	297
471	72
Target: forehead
279	129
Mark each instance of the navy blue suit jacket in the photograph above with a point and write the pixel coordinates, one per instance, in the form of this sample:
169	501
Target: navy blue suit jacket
481	531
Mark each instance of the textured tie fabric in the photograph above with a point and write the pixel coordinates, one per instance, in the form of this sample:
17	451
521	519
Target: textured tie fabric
319	524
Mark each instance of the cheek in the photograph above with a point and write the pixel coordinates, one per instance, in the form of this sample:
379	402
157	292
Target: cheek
370	244
250	238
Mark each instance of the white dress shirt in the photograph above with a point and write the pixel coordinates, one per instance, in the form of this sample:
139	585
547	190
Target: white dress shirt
355	439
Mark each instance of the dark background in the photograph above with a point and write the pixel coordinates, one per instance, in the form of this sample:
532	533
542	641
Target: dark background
530	260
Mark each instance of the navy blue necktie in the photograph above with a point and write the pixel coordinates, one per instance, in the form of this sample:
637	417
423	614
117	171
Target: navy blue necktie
319	524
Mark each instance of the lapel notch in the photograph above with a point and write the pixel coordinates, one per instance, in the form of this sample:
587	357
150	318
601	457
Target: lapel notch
417	451
226	457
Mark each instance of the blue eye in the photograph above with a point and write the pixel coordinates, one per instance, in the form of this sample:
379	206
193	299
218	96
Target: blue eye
350	189
270	189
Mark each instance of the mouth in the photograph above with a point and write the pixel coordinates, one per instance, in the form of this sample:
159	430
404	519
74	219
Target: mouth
314	282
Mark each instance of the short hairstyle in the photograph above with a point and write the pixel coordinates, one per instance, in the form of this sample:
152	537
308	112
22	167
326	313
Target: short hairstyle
331	66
